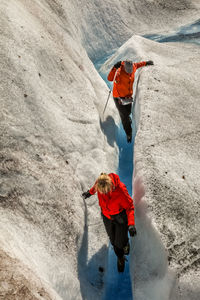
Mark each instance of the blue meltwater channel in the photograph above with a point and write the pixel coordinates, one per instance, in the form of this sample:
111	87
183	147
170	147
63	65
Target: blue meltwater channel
118	285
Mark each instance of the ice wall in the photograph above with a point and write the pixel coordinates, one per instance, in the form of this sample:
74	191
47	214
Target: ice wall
52	149
166	163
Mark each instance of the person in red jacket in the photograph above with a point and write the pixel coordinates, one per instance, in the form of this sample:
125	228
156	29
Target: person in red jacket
117	211
122	74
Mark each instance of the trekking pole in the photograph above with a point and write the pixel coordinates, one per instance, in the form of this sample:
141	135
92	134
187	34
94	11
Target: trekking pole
109	94
106	102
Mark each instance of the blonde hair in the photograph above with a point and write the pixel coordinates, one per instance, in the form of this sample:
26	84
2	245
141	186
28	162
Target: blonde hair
103	183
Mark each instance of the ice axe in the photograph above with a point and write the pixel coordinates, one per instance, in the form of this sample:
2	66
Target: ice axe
107	102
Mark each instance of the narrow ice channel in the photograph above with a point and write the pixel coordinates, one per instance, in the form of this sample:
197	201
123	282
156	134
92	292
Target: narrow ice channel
118	285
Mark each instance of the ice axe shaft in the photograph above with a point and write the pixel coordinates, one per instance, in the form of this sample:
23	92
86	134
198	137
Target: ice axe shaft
106	102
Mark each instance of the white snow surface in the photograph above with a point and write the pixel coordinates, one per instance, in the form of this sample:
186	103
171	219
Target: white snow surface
53	147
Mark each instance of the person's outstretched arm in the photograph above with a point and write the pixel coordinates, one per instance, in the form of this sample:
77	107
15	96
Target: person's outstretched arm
111	74
143	63
89	192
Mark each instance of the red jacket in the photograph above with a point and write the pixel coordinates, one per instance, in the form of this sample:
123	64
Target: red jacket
117	200
123	84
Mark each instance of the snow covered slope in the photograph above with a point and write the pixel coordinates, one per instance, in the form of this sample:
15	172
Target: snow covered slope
52	140
52	148
106	25
167	156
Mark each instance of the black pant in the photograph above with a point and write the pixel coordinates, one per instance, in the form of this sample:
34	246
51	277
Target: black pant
117	230
124	112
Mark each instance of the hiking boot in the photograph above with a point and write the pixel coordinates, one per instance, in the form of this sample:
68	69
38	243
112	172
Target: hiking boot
129	138
121	264
127	249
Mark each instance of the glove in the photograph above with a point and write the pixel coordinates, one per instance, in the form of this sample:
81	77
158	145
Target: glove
86	195
132	230
149	63
117	65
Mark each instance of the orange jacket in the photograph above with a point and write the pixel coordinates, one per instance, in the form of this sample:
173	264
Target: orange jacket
123	84
116	201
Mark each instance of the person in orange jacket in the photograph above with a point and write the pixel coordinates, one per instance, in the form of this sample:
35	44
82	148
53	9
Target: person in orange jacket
117	210
123	74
